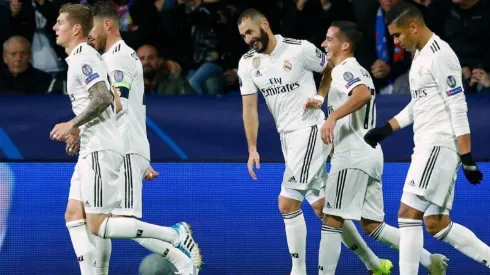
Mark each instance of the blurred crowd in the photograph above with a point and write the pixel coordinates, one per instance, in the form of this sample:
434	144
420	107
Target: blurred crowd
193	46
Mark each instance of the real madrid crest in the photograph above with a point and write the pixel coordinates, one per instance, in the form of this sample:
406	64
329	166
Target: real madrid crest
256	62
287	66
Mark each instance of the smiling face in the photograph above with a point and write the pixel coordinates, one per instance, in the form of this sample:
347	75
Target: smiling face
332	44
254	34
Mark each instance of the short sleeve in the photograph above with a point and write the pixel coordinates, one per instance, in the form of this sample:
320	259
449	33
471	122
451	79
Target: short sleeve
89	69
120	73
247	86
314	59
446	70
349	76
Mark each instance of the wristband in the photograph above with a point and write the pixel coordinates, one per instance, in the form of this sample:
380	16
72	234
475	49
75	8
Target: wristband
319	98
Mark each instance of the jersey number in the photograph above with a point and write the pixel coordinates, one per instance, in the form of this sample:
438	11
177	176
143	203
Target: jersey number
370	110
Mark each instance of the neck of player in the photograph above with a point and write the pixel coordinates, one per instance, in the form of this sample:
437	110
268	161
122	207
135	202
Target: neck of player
340	58
112	38
425	35
272	44
69	48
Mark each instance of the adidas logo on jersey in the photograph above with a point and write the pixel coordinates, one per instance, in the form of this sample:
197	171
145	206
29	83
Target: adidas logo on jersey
87	204
412	183
328	205
257	73
292	179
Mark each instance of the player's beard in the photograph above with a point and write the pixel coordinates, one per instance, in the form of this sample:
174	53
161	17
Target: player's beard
263	40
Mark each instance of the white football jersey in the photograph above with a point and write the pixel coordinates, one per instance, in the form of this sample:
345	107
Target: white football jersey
350	149
86	68
285	78
435	85
126	73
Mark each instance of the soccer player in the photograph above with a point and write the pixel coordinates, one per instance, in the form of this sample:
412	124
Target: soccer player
126	75
354	190
96	182
282	70
442	142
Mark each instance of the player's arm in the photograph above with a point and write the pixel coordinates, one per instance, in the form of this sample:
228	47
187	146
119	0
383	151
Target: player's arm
120	73
401	120
100	99
359	96
250	115
447	72
315	60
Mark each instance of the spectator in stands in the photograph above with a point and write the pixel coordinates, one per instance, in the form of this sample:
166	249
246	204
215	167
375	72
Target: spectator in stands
480	81
201	31
465	25
34	20
19	77
385	60
310	19
161	76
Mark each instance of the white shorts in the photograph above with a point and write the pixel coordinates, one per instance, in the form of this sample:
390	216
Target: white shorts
312	195
96	183
352	194
432	175
134	169
422	205
305	157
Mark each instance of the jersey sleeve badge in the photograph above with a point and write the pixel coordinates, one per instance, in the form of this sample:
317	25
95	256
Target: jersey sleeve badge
118	76
451	82
349	77
87	71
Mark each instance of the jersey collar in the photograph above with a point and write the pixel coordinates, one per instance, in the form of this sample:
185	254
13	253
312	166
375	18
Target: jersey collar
119	42
74	51
427	45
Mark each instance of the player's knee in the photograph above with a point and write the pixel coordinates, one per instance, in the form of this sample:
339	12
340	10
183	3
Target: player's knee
73	214
369	226
434	224
407	212
287	205
333	221
319	212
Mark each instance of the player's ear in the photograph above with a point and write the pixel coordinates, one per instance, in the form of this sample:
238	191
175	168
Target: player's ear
77	28
346	45
413	27
265	24
107	24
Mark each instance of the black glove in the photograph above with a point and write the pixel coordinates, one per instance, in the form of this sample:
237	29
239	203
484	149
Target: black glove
471	171
375	135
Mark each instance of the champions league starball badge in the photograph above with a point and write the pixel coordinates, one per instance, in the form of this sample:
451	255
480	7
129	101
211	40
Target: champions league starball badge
86	70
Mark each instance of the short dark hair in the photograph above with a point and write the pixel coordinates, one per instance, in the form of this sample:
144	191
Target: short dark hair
79	14
105	9
402	12
349	32
250	13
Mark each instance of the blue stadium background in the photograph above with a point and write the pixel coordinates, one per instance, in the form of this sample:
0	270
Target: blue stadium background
235	219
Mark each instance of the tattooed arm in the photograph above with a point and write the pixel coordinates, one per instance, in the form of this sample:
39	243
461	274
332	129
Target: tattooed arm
100	99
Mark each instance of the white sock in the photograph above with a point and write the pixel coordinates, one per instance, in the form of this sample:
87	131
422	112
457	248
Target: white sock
296	238
329	250
466	242
353	240
390	236
103	249
82	246
130	228
168	251
411	245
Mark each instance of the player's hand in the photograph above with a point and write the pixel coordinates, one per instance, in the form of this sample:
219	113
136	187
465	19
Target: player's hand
327	130
375	135
253	158
151	174
470	169
72	148
61	131
312	103
380	69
